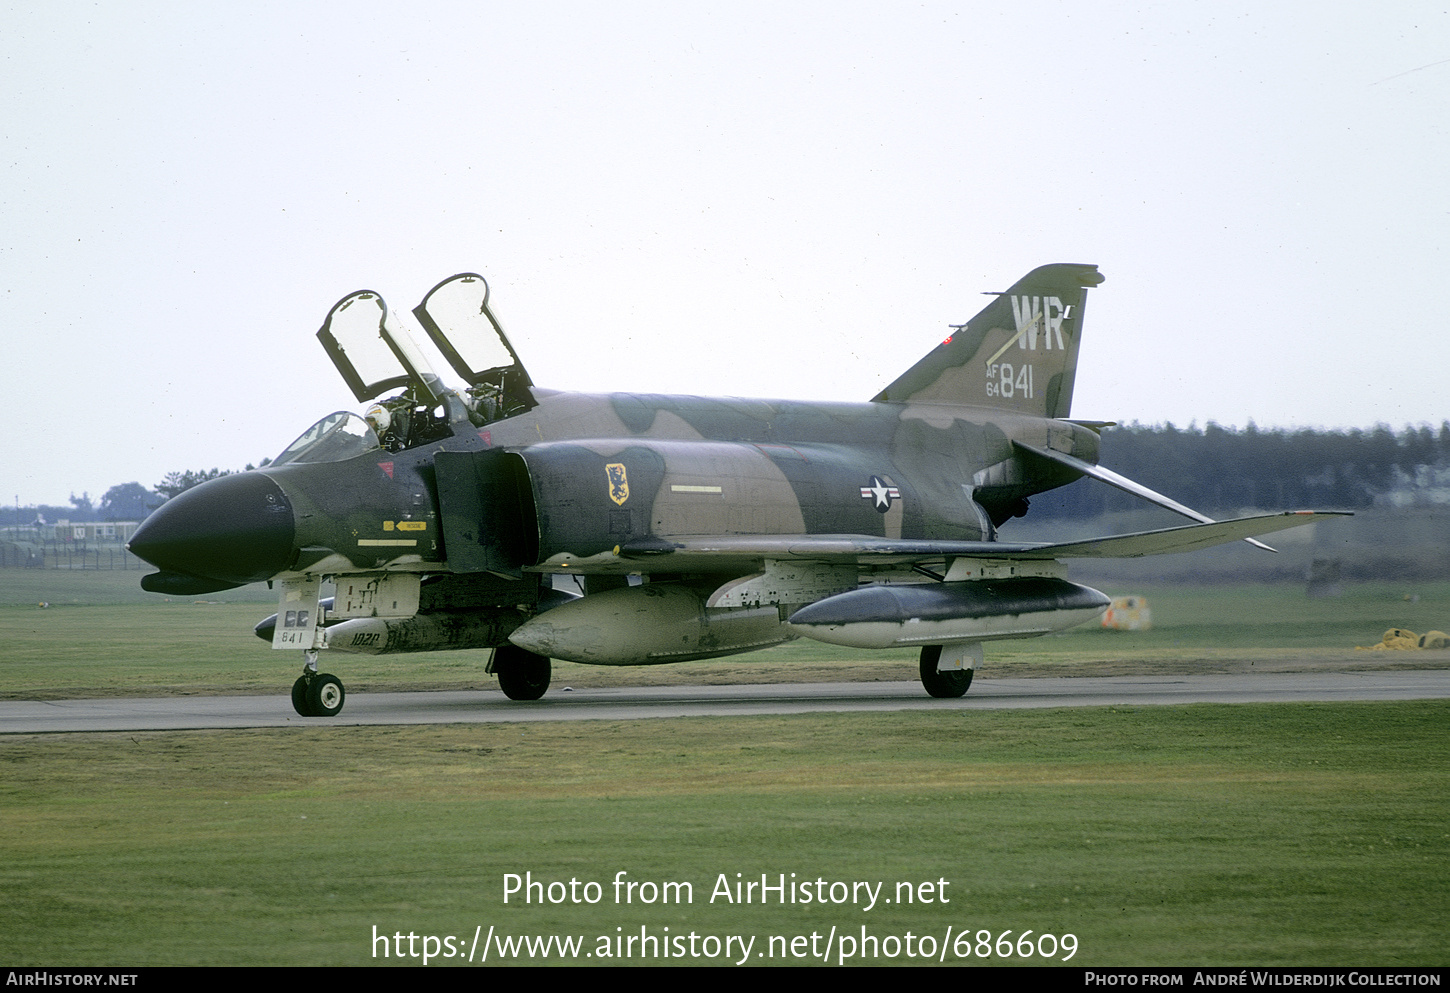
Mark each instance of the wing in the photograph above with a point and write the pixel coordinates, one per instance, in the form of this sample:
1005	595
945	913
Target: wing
812	585
727	552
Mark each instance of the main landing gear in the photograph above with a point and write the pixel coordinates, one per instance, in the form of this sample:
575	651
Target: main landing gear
947	683
317	694
522	675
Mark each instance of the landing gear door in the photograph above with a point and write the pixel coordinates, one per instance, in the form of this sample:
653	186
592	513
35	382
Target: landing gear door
456	316
299	614
371	351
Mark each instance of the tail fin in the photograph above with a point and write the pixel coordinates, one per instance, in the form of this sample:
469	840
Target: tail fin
1018	354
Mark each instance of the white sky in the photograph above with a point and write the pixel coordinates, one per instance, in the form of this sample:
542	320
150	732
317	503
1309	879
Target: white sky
753	199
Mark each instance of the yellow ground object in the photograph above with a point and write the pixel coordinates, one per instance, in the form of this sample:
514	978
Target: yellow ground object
1129	613
1402	640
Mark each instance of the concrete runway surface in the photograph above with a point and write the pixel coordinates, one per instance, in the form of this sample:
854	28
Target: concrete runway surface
633	703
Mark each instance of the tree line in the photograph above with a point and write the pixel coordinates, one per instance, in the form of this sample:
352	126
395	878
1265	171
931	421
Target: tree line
1217	469
122	502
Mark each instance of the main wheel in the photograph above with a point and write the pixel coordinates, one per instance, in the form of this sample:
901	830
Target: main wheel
522	675
299	697
325	696
952	683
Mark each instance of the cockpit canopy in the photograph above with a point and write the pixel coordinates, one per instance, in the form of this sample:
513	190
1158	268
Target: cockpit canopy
375	354
456	316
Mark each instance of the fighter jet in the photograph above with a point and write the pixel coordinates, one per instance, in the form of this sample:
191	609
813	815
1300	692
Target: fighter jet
628	529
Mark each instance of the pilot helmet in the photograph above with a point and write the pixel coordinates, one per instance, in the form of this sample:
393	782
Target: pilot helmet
379	418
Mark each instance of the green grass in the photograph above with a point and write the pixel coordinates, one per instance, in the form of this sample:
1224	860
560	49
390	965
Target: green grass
90	587
1291	835
103	636
1295	835
1281	616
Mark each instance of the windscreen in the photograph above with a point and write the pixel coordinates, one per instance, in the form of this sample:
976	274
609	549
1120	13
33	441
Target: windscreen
337	437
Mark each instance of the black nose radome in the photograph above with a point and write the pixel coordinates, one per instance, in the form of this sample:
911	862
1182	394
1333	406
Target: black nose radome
235	529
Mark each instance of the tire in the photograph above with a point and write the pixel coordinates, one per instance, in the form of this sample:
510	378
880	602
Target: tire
943	685
325	696
299	697
522	675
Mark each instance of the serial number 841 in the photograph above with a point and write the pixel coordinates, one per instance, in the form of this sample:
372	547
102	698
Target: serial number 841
1003	380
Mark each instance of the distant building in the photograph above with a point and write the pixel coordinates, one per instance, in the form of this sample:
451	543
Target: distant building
95	532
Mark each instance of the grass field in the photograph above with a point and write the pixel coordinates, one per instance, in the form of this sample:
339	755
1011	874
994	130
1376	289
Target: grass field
1300	835
103	636
1295	834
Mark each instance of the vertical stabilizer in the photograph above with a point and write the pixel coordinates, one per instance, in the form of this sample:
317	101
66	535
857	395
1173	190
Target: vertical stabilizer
1018	354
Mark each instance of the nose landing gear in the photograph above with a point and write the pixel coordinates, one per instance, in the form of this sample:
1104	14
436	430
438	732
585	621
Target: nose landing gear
317	694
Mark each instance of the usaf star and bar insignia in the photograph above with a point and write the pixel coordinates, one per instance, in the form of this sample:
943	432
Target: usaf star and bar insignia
880	493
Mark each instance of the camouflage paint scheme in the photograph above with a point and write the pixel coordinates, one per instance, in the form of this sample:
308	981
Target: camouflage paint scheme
699	526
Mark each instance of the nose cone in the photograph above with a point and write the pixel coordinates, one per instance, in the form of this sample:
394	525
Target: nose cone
234	529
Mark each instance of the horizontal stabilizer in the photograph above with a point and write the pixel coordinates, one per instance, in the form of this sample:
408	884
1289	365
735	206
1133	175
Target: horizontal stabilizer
1125	484
1188	538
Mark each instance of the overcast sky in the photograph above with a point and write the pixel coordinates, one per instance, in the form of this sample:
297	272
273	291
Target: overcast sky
772	199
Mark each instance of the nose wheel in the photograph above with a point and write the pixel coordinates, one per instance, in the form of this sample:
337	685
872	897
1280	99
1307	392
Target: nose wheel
318	695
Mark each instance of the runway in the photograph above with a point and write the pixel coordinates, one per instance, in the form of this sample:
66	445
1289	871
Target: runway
635	703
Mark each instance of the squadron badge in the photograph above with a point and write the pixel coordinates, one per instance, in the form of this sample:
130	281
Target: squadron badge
618	482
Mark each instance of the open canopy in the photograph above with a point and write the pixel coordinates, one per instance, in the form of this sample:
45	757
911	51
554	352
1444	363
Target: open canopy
375	354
